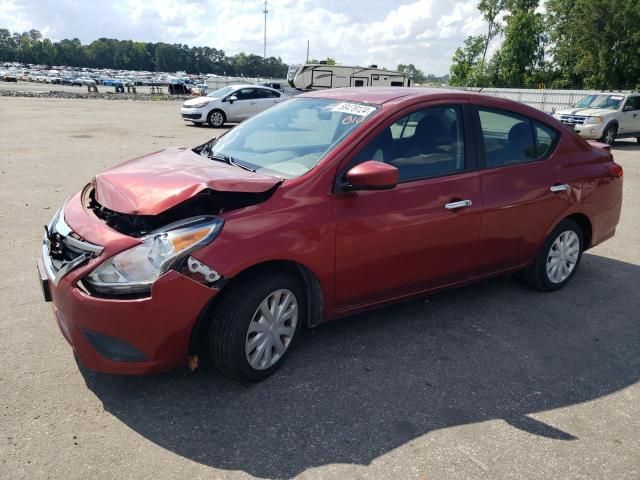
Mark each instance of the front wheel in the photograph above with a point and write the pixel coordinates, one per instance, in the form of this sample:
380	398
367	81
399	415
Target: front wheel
558	260
609	135
255	326
216	118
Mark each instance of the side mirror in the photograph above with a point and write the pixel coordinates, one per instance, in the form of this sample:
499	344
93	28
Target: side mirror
232	98
372	175
627	108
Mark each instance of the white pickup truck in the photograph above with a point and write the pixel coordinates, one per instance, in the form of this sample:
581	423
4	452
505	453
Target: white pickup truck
604	116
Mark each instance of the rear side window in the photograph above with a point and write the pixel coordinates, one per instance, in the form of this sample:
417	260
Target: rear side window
264	93
545	140
510	138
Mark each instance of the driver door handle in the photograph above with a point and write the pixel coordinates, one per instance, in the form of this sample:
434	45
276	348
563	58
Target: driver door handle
458	204
559	187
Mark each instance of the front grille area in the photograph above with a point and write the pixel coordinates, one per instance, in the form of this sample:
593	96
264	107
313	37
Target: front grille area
63	250
573	119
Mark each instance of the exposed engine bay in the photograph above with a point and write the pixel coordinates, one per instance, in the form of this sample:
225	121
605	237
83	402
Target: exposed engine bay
206	202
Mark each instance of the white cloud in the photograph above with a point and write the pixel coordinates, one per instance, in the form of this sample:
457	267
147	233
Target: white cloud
422	32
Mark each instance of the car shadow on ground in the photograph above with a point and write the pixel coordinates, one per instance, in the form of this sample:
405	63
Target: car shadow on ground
357	388
628	145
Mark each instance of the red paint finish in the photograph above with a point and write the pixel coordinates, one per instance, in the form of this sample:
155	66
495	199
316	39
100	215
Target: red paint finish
365	248
372	175
392	242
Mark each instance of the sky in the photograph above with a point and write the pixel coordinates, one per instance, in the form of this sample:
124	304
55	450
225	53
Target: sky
359	32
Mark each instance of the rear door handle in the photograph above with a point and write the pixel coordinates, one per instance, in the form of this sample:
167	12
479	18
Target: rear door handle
559	187
458	204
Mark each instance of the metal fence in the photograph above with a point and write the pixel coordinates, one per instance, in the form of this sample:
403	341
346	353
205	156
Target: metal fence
219	82
542	99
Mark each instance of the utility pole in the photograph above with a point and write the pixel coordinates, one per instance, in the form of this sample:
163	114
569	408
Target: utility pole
307	52
265	11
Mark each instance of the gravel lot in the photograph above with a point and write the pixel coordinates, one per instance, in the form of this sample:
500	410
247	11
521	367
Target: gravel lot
488	381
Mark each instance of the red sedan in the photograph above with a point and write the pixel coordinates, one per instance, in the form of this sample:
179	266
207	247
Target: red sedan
328	204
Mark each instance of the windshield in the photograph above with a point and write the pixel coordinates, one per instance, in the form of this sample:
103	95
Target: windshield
221	92
611	102
290	138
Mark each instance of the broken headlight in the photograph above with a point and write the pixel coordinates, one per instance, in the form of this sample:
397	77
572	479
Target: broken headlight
134	271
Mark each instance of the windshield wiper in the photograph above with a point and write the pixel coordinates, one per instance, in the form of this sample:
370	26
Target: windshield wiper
228	159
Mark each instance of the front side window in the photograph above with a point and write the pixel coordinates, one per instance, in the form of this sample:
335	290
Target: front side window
633	103
508	138
245	94
292	137
426	143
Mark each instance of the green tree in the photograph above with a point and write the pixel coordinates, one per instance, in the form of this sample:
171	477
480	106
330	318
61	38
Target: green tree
596	43
490	10
524	40
410	69
466	66
31	47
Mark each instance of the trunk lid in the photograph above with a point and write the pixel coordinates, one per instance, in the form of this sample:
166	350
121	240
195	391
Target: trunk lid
151	184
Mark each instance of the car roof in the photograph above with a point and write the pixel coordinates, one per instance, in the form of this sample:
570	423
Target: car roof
378	95
247	85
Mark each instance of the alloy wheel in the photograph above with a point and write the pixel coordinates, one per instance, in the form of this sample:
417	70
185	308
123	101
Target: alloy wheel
217	119
610	136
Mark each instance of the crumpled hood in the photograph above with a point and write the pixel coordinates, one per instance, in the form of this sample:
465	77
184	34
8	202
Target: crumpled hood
151	184
586	112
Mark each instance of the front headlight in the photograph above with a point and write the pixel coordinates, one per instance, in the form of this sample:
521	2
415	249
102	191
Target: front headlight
593	120
135	270
197	105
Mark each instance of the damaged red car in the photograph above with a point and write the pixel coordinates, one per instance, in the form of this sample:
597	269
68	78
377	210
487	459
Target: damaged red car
331	203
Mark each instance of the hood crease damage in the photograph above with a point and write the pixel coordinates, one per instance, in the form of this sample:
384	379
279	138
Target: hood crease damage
150	192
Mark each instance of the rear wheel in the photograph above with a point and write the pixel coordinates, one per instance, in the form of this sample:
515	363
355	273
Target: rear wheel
216	118
255	326
559	258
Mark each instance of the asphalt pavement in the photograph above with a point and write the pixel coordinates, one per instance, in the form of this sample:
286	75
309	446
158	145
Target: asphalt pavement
488	381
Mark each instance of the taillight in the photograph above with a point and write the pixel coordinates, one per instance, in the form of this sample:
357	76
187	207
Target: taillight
614	169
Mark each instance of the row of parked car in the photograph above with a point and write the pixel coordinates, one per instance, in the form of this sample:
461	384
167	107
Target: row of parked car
89	76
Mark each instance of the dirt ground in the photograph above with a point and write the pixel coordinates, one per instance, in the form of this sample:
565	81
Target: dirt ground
488	381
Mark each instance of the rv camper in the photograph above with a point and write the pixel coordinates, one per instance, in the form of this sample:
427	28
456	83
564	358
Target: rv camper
315	76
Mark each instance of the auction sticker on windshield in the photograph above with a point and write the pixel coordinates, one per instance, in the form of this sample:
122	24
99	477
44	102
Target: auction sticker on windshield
354	109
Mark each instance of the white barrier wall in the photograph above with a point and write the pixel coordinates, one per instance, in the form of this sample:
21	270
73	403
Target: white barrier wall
542	99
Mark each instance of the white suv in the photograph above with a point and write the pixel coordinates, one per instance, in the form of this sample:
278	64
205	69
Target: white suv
604	116
234	103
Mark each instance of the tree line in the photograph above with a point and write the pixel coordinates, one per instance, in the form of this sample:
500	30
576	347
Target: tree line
591	44
30	47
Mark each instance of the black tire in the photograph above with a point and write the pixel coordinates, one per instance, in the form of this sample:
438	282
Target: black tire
216	118
233	316
536	274
609	135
